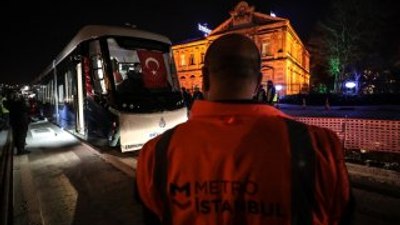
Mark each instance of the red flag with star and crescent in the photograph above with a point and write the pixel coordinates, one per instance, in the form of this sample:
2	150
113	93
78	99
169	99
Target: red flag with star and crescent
153	69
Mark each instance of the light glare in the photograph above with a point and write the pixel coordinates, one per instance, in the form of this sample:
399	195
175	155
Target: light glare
350	84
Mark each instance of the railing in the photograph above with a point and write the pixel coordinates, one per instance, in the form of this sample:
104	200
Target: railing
6	182
366	134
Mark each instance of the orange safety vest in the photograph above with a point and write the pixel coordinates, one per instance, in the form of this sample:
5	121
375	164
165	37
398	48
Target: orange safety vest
243	164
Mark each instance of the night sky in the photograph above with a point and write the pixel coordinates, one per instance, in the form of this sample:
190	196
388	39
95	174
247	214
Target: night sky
34	34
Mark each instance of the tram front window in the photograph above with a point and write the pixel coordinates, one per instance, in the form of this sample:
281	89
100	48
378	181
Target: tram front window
142	75
128	78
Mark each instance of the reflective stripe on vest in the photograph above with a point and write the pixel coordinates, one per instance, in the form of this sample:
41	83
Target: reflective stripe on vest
303	173
161	173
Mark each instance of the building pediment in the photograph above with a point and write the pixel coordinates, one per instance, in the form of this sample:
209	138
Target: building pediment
243	16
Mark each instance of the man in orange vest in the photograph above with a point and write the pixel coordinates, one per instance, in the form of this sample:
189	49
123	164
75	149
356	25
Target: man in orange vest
238	162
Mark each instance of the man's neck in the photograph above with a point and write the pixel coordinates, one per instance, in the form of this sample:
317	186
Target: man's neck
236	101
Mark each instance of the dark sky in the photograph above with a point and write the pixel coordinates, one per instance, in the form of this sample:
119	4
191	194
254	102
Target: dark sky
34	34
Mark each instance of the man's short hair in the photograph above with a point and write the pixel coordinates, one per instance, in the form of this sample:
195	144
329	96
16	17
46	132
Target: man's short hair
233	56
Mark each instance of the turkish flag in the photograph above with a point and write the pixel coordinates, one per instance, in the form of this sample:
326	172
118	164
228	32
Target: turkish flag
153	69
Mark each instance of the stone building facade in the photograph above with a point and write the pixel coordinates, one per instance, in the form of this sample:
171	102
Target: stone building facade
285	60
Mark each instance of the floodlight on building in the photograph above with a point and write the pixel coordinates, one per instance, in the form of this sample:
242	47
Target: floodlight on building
350	84
272	14
204	29
278	87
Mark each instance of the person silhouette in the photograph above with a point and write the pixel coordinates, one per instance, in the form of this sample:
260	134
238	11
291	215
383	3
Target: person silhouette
19	120
236	161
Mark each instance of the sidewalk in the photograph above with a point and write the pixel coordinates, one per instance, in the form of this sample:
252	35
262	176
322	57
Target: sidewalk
375	179
64	182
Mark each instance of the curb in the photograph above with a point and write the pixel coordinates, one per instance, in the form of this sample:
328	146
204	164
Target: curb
386	182
113	160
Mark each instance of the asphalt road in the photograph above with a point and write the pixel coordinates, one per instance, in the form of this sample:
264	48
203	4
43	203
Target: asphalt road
63	181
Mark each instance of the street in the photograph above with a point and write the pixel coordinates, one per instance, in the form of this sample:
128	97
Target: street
64	181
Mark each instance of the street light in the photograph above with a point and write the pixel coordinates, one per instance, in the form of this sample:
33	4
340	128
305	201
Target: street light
350	84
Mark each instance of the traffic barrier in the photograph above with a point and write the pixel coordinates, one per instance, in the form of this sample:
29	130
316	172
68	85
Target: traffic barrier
363	134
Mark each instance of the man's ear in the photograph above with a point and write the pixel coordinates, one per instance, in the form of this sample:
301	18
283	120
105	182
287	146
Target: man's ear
206	79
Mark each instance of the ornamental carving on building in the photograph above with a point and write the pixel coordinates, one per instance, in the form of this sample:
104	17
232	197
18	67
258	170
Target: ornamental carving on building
242	14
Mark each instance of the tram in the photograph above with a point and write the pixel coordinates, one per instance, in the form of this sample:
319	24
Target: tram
113	86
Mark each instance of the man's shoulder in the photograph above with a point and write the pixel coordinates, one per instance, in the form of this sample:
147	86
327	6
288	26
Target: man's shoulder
148	148
315	130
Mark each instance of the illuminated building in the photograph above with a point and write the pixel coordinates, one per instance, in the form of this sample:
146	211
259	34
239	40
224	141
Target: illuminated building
285	60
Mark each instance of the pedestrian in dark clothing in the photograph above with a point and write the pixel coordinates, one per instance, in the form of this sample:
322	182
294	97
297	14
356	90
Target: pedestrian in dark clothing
271	92
197	94
4	112
19	120
187	98
260	95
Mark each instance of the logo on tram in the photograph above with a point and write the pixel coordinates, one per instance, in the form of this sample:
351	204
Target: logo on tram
162	122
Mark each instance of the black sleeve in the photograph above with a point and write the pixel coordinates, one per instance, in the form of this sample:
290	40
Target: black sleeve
349	211
149	217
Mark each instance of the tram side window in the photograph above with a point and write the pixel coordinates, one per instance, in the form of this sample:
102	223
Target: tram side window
70	87
98	75
99	80
61	94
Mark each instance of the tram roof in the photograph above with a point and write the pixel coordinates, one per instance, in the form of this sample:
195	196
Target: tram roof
95	31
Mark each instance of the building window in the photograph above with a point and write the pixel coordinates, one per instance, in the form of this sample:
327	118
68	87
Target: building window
183	60
192	79
202	57
292	49
266	49
191	59
299	54
305	61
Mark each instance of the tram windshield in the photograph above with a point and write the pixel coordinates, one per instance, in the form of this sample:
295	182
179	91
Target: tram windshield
143	74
